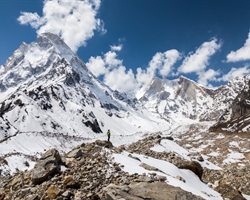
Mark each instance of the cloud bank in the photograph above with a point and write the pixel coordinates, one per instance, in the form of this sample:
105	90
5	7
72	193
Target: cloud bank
75	20
198	61
241	54
116	75
163	64
235	72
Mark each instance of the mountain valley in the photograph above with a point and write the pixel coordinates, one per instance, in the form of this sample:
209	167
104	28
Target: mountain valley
50	103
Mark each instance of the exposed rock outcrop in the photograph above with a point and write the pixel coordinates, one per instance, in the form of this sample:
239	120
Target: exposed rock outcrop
142	191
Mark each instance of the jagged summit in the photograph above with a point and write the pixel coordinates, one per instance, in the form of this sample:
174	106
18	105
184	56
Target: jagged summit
47	40
45	61
45	78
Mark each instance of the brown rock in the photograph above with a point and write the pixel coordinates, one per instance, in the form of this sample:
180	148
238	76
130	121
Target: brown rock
32	197
76	153
140	191
104	143
2	196
148	167
193	166
17	183
48	165
69	182
129	155
53	191
229	192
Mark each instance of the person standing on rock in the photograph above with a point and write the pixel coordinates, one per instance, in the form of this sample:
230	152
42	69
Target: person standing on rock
108	134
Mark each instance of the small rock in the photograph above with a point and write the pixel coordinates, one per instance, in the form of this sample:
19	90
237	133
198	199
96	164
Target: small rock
32	197
67	194
117	168
160	178
53	191
200	158
76	153
129	155
180	178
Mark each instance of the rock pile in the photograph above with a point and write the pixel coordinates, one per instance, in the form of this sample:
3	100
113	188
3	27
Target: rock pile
89	172
143	147
86	172
237	177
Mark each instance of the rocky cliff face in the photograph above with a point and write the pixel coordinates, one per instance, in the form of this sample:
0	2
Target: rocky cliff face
184	99
235	118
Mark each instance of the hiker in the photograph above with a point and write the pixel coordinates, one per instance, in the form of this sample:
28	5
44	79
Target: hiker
108	134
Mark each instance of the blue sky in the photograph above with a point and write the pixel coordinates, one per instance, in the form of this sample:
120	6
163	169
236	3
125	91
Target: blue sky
127	42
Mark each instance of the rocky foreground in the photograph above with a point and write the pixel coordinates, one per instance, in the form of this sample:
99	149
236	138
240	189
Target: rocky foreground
89	172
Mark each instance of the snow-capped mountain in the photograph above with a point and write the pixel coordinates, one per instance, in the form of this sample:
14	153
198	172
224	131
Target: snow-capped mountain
183	99
235	118
46	87
50	99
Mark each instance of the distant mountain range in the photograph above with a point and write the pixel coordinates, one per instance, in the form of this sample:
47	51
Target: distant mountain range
50	99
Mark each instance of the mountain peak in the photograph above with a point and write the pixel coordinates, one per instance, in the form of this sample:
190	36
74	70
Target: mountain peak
48	40
46	60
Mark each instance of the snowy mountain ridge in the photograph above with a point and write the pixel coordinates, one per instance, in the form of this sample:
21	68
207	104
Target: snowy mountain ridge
49	99
46	87
184	99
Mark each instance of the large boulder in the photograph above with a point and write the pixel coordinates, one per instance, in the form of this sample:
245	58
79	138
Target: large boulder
194	166
104	143
48	165
140	191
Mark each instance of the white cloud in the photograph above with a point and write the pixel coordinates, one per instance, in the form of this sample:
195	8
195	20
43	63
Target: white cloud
75	20
96	65
241	54
169	59
161	62
120	79
30	18
155	63
235	72
143	77
114	73
116	48
198	61
205	76
111	59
